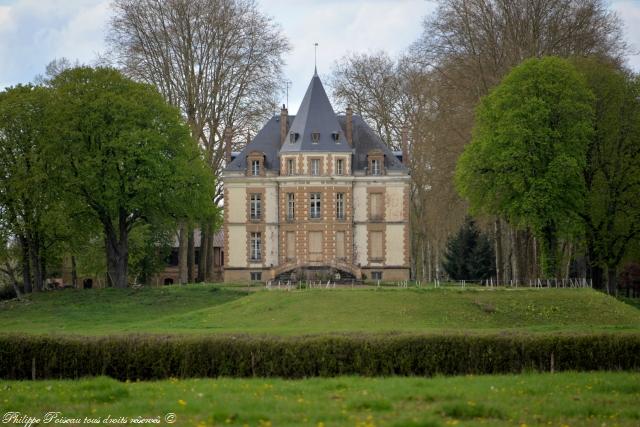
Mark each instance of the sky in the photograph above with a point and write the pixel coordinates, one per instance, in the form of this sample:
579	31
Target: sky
34	32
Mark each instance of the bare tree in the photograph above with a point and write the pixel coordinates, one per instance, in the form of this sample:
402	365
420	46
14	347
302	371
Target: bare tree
219	61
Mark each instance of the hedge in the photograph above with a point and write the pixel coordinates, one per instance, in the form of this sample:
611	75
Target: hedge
147	357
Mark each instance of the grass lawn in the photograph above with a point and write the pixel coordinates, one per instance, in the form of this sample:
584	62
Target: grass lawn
565	399
214	309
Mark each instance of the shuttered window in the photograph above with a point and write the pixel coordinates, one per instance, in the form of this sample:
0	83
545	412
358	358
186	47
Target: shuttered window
375	201
315	246
291	245
340	253
375	245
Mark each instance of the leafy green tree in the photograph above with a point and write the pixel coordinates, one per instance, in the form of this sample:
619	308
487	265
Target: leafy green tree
611	213
27	206
528	151
469	254
125	157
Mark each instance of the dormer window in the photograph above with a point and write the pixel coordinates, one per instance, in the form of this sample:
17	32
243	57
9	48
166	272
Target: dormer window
335	136
293	137
255	167
375	167
315	137
375	160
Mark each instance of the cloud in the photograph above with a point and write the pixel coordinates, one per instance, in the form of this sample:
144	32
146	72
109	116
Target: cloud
339	28
33	33
629	13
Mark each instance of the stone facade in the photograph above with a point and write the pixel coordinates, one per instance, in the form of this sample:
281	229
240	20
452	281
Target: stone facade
327	195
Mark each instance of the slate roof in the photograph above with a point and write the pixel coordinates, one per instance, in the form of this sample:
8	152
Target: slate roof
316	115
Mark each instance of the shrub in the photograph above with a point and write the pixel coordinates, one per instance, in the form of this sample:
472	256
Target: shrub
145	357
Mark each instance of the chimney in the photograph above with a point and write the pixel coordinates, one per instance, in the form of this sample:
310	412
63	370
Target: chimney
228	137
405	146
349	125
284	115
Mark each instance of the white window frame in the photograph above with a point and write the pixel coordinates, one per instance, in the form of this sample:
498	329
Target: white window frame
340	205
255	167
291	206
315	167
315	205
291	165
255	206
375	167
339	166
256	246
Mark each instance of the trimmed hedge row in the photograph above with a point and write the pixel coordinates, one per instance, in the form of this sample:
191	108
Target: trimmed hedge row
146	357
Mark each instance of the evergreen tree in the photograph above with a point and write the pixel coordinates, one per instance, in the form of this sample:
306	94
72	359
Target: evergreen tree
469	254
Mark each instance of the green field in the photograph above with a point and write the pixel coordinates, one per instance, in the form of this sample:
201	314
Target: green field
566	399
212	309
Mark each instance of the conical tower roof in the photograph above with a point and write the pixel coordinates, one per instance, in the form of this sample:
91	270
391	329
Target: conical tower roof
315	116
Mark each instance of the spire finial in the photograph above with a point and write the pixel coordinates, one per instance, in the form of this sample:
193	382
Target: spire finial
315	61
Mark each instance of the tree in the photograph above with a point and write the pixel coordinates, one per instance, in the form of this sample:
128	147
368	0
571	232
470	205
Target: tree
26	204
469	255
528	151
611	213
371	84
467	47
124	156
219	61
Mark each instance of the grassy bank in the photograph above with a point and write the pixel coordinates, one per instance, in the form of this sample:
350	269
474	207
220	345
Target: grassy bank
211	309
566	399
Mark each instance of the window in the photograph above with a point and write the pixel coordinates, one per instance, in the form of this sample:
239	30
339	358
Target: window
256	247
375	167
339	166
291	245
315	137
340	245
291	206
255	208
293	137
314	211
376	275
291	166
255	167
315	246
335	136
375	245
315	167
375	206
340	205
256	275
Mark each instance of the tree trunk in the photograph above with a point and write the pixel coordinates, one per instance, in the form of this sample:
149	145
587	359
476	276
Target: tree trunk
118	254
550	251
74	272
612	281
498	243
516	268
191	255
34	258
210	270
596	273
26	270
182	254
204	252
